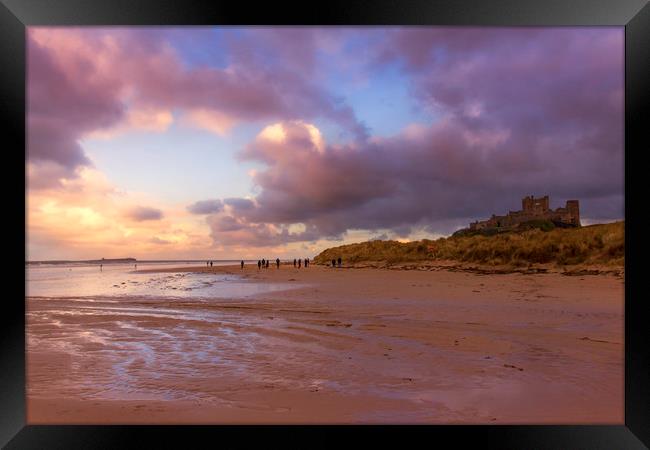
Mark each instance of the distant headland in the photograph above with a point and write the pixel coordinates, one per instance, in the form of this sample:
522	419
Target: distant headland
111	260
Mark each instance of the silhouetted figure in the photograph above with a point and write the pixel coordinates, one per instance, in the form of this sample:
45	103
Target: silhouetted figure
299	262
100	268
210	263
242	264
294	262
339	261
267	263
259	264
277	262
306	262
333	263
263	262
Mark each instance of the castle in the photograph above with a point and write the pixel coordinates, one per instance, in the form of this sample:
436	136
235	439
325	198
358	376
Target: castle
533	209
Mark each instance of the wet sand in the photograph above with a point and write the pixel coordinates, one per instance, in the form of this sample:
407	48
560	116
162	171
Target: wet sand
342	346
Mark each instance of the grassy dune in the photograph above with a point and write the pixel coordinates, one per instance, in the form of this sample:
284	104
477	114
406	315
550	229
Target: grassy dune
596	244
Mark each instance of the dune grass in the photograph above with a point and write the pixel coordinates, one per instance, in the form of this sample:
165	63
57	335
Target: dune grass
602	244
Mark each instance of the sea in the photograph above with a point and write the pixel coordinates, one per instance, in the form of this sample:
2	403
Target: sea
126	333
122	279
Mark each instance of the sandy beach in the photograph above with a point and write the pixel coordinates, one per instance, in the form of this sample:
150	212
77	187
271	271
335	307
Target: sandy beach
335	346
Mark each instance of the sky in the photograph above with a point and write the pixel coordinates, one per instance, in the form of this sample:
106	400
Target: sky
252	142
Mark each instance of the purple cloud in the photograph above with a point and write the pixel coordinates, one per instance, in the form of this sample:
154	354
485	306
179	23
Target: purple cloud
517	111
522	111
239	205
61	108
206	207
84	80
143	213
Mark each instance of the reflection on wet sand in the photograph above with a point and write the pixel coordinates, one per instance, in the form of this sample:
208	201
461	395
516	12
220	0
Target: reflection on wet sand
335	349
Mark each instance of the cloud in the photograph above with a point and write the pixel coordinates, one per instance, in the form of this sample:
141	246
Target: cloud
228	230
562	84
213	121
142	213
206	207
226	224
239	205
159	241
98	82
87	217
61	107
517	112
521	112
145	119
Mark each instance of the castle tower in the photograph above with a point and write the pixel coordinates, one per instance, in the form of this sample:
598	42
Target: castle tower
573	207
534	205
527	203
544	203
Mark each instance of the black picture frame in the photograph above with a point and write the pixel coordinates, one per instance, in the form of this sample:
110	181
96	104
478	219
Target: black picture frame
634	15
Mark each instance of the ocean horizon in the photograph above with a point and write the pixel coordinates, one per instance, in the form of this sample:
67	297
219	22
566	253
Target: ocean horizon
130	261
124	280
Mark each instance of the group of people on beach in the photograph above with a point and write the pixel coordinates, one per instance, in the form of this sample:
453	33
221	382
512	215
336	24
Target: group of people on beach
264	263
300	262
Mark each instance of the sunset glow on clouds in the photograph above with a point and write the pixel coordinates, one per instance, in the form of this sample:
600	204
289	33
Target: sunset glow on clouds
256	142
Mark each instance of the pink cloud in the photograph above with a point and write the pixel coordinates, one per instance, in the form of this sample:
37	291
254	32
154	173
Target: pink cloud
206	207
98	80
61	107
142	213
521	111
526	111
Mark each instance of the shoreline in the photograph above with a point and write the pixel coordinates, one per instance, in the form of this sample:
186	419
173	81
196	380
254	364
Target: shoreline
447	266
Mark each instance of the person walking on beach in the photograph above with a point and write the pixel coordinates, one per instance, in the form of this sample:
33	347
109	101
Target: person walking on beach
267	263
259	264
210	263
242	264
333	263
263	262
100	268
299	262
339	261
294	263
277	262
306	262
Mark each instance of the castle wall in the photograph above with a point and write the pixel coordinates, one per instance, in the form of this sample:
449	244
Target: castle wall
533	209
